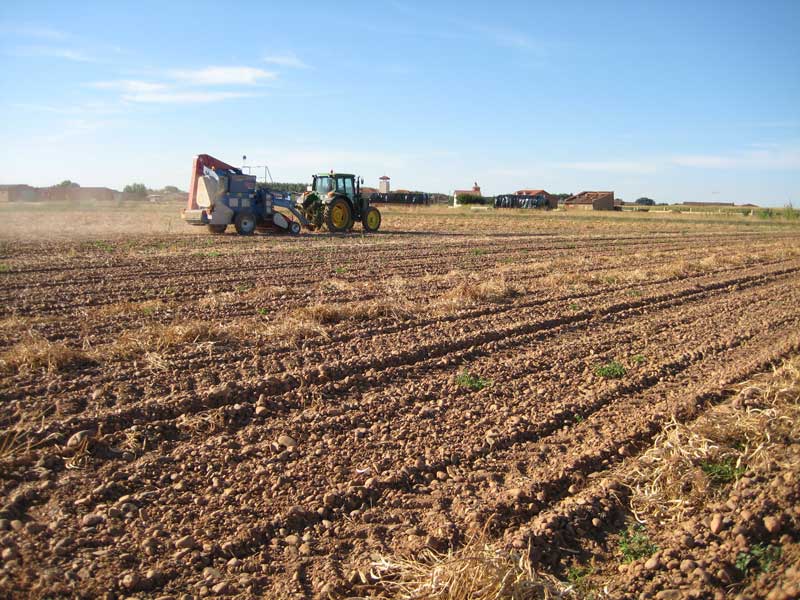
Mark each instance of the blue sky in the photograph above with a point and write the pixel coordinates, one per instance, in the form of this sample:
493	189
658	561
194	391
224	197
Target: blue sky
672	100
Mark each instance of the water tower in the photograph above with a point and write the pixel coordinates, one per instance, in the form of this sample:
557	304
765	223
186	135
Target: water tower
383	184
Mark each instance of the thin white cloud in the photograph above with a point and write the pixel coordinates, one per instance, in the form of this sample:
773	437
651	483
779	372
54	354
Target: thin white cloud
290	60
54	52
222	76
767	158
507	37
609	166
41	32
182	97
315	159
92	108
129	85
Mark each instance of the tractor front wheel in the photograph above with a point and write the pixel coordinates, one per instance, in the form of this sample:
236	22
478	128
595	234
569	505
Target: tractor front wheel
337	216
245	223
217	229
371	219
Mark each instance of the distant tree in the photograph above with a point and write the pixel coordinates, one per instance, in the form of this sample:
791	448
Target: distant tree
171	189
561	196
137	189
67	183
645	202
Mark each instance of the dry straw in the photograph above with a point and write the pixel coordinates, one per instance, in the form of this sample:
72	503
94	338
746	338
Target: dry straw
690	464
36	353
476	571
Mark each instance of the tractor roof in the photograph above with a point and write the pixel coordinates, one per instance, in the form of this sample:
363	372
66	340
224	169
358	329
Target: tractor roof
334	175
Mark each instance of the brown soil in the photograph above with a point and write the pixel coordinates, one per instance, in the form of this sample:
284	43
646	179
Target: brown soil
225	416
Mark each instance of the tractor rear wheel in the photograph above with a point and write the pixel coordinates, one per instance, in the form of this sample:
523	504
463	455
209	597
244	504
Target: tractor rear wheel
371	219
217	229
337	216
245	223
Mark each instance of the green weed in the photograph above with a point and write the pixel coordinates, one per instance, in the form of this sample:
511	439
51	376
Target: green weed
578	576
574	306
638	359
635	543
104	246
759	558
610	370
472	382
723	471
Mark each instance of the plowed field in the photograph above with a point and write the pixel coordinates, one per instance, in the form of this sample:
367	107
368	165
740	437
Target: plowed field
275	416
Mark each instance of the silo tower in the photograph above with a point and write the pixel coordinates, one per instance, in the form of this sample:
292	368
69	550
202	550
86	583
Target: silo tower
383	185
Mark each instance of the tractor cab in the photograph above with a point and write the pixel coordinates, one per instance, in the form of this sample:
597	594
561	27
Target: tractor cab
334	200
338	183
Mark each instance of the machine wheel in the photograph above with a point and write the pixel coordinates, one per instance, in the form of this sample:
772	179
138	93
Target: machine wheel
371	219
337	216
294	227
217	229
245	223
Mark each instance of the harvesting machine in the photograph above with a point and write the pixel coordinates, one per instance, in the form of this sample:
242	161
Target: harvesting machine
220	194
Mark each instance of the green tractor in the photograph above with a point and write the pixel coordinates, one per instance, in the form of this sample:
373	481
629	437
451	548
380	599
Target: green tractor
334	200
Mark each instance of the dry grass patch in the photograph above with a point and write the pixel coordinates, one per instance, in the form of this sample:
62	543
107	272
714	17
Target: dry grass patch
314	319
474	290
477	571
156	339
689	464
218	300
35	353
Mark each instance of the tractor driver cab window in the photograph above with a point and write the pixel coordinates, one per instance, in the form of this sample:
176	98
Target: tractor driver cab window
348	187
324	185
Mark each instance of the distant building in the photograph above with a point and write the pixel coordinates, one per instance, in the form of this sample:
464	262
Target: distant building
592	201
526	199
549	200
19	193
383	184
93	193
74	193
475	191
